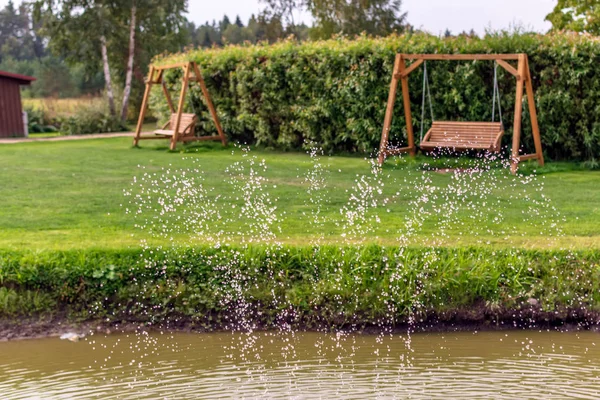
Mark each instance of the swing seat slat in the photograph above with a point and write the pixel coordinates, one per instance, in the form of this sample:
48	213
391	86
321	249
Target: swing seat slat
464	136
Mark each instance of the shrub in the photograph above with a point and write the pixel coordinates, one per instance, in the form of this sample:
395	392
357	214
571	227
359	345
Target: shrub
91	118
40	122
71	116
90	121
334	92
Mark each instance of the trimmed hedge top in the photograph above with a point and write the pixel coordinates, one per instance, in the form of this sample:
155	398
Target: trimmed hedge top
333	93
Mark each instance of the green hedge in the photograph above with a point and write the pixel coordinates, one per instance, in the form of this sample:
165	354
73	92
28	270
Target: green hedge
326	286
334	92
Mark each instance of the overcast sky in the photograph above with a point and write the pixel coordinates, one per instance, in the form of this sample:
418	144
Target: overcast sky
431	15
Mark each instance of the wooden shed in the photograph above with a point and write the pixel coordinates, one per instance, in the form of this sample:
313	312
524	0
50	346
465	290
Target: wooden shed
11	110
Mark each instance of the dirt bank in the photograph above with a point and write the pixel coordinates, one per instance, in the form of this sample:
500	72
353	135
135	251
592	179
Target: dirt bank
472	320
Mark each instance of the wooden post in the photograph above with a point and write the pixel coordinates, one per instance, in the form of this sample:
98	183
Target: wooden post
168	96
407	113
537	140
209	103
184	85
389	111
138	129
518	116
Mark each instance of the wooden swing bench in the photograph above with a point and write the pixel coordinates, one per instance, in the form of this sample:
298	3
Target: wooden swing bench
181	126
464	136
187	126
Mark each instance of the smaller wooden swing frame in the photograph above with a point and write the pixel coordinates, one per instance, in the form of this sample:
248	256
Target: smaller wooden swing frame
155	77
521	73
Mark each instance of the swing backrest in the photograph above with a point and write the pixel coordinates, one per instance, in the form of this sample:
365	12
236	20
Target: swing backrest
187	120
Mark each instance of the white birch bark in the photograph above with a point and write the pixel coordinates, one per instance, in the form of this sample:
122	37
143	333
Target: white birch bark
128	77
107	79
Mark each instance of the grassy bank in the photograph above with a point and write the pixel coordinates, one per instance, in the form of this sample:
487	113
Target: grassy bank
69	195
310	287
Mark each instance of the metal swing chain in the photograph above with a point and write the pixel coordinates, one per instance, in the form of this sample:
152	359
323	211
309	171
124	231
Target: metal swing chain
426	91
496	96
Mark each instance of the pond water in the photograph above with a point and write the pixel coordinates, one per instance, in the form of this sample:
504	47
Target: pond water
511	364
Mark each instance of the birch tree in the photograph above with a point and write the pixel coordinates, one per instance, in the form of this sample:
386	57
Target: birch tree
105	34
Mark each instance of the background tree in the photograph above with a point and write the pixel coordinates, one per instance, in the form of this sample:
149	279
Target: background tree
283	11
576	15
23	51
104	33
238	21
352	17
18	37
349	17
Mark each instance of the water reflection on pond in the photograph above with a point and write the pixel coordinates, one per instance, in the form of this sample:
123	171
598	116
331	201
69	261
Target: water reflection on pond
516	364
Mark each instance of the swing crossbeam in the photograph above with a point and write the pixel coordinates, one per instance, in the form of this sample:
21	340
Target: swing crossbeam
181	126
463	135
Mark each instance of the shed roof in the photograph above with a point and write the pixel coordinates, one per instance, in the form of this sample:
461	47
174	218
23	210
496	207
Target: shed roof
21	79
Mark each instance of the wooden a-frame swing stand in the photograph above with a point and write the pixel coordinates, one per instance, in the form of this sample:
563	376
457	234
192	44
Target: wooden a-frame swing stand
181	126
521	73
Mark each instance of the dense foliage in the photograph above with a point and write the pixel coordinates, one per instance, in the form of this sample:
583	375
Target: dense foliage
323	286
576	16
334	92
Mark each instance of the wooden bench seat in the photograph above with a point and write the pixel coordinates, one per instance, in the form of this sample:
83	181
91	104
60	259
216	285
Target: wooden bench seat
464	136
186	126
164	132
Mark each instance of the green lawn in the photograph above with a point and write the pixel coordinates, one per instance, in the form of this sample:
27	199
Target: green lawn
70	194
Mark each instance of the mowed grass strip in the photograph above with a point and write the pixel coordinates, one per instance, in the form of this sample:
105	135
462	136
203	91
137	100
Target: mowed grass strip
69	195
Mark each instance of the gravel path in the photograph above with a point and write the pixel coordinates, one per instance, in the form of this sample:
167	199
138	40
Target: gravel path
62	138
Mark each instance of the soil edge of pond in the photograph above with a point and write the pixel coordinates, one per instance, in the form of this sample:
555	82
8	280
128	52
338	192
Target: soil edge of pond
459	321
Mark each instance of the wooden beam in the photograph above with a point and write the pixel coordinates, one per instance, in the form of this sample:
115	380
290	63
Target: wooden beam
516	143
138	129
389	111
209	103
399	150
154	137
528	157
407	113
509	68
168	96
184	85
199	138
171	66
412	67
461	57
537	140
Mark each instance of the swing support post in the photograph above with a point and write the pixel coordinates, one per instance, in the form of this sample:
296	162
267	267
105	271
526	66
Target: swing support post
181	126
522	74
400	74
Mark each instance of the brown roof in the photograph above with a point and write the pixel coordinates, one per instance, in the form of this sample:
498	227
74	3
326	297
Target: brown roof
22	79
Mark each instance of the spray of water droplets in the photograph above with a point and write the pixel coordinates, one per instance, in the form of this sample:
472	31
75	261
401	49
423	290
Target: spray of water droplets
442	206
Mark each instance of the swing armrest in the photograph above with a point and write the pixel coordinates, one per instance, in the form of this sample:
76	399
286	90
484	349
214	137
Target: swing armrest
427	136
189	128
166	125
497	142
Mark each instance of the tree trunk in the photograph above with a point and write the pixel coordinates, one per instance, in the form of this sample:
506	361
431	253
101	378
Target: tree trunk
107	79
128	77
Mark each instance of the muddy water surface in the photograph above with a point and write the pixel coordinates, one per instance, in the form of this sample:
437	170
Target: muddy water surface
516	364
